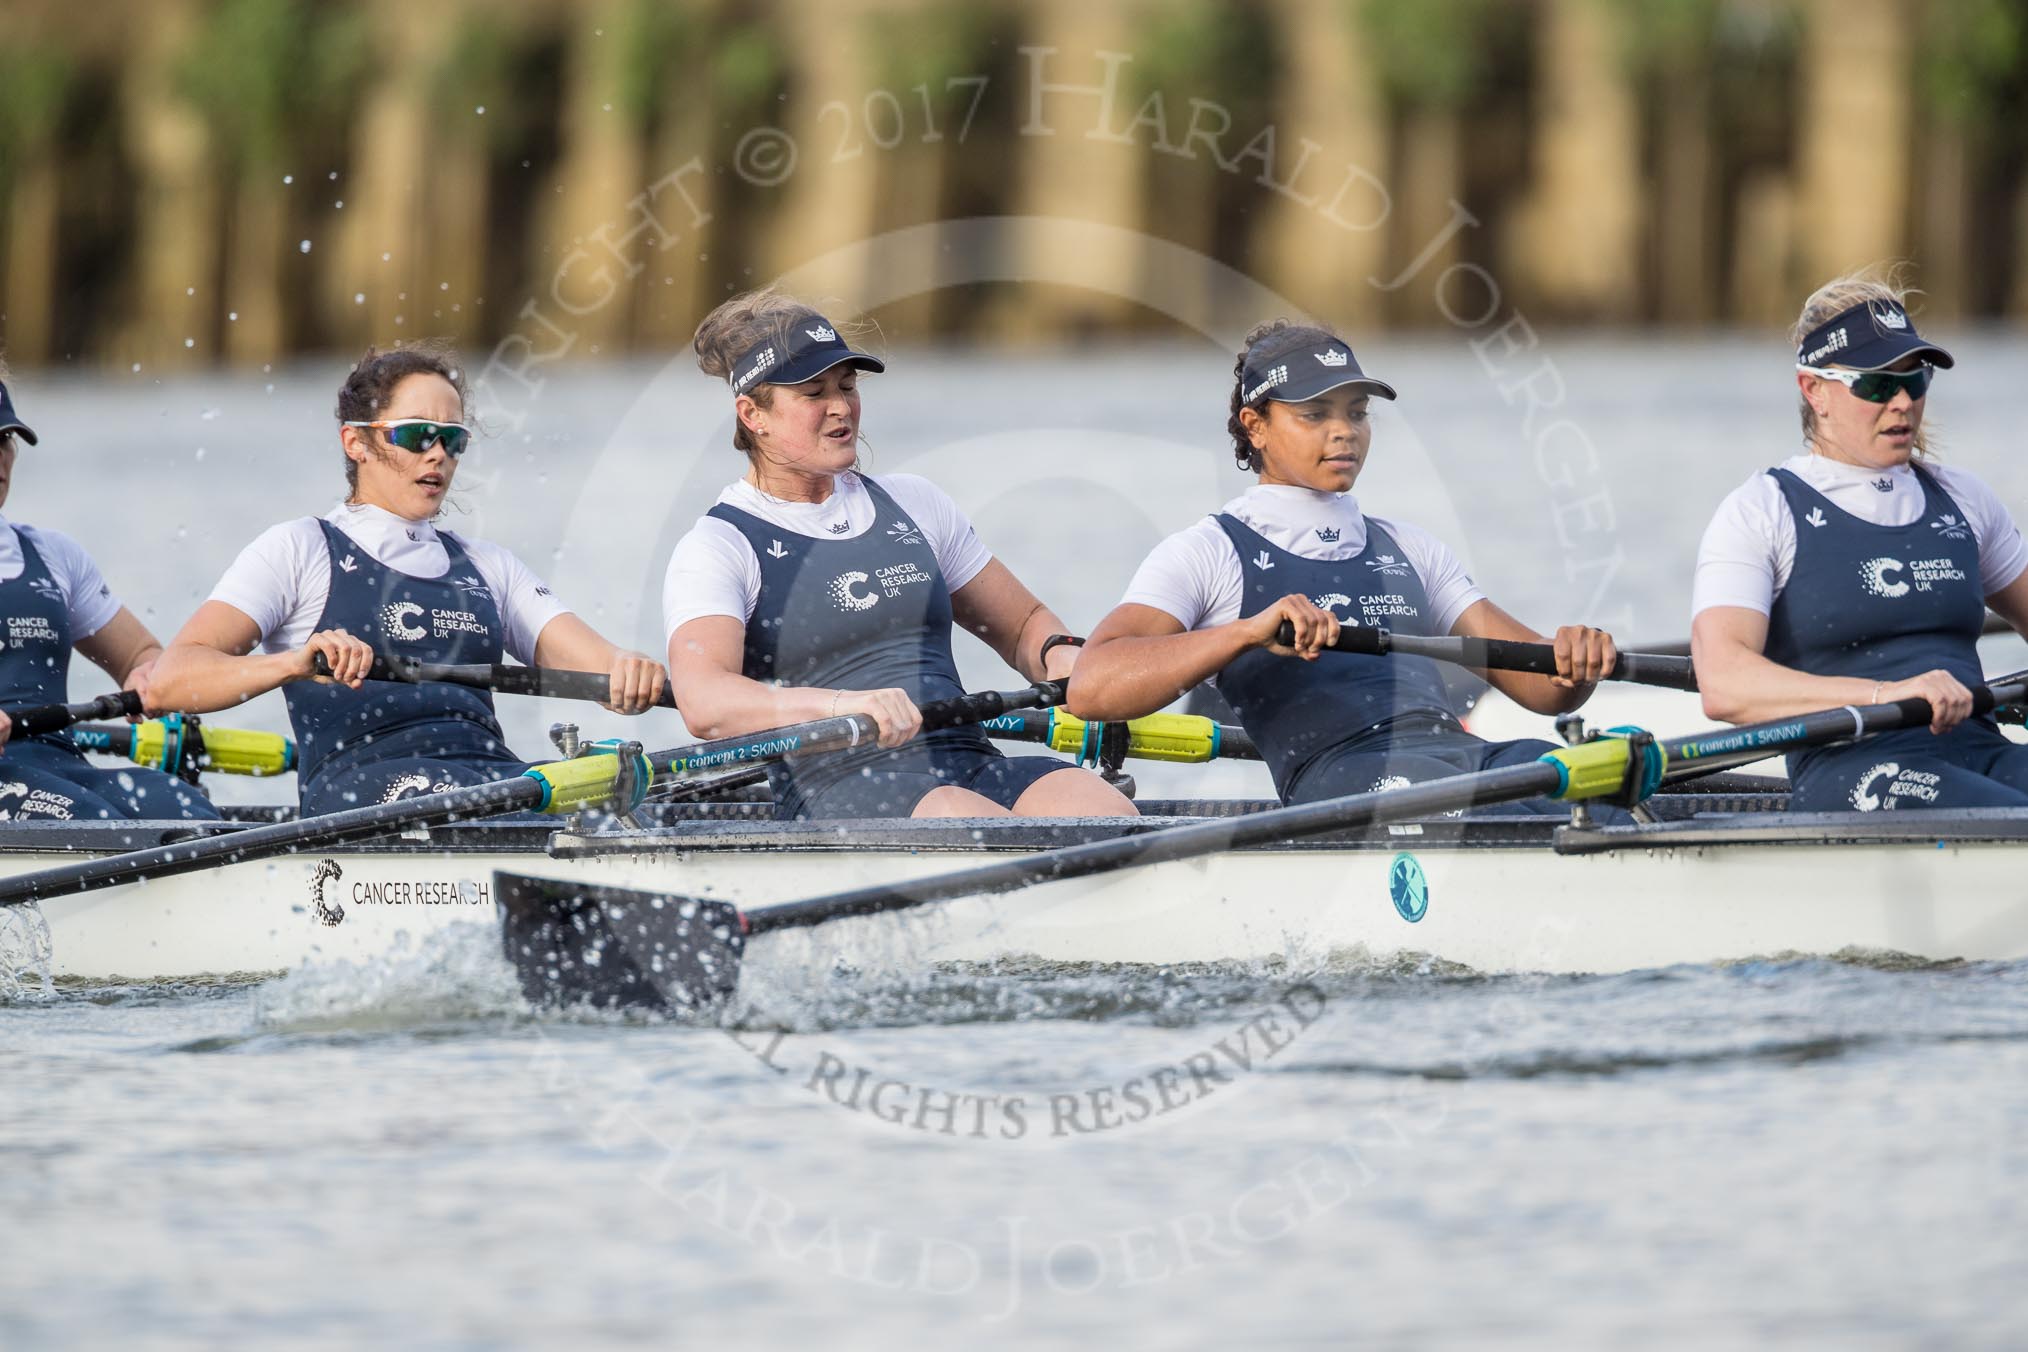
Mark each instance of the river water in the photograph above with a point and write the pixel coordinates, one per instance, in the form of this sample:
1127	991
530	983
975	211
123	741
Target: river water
1342	1149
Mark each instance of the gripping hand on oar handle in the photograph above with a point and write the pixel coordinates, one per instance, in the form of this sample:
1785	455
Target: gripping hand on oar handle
1950	702
891	710
1313	630
347	659
1584	656
636	683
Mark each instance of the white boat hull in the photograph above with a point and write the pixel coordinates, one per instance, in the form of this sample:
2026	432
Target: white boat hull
1667	896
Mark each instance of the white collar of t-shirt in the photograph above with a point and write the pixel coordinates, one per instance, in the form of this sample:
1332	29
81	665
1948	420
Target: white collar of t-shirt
1856	489
849	503
411	547
1303	521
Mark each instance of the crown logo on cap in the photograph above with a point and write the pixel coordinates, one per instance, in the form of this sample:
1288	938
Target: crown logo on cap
823	333
1891	318
1332	357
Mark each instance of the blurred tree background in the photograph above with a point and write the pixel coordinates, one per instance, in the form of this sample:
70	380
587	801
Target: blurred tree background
190	182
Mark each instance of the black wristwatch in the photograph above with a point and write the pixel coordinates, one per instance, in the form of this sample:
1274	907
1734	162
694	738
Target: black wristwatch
1053	640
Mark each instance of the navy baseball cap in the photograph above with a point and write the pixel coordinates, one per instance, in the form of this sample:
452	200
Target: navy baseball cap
1294	364
10	421
1870	336
809	349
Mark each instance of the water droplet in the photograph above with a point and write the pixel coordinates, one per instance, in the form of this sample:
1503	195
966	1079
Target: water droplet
443	286
304	246
333	175
233	315
200	452
189	342
189	290
288	178
211	414
359	298
480	110
137	368
341	204
386	257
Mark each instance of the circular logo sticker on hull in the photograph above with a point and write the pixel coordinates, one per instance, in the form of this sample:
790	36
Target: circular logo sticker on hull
1409	888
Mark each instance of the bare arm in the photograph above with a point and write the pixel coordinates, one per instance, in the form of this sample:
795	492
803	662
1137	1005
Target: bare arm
1583	656
634	679
1741	685
211	664
1140	658
1000	609
717	700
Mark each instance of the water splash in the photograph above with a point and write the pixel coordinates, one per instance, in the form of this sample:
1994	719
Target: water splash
25	955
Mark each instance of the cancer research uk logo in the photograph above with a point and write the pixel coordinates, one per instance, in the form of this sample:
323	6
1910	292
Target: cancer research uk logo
859	590
396	621
1918	785
1890	578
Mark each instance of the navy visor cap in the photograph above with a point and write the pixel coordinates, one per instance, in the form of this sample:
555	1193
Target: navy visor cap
810	349
1290	372
10	421
1871	336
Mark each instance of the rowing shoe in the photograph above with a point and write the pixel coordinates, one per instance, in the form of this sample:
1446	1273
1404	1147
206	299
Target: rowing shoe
579	943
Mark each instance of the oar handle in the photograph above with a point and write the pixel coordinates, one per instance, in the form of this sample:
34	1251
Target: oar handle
1501	654
42	718
501	679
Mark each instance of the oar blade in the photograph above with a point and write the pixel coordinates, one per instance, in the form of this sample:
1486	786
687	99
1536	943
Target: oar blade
579	944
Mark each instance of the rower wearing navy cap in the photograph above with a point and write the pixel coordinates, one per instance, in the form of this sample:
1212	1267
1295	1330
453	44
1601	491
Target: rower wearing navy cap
1297	549
1860	571
55	601
812	589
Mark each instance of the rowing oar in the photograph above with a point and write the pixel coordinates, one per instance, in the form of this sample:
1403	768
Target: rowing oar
605	773
1501	654
41	718
581	943
501	679
702	773
175	744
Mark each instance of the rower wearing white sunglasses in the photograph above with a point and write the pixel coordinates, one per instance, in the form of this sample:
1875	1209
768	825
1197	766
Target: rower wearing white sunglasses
377	575
1860	571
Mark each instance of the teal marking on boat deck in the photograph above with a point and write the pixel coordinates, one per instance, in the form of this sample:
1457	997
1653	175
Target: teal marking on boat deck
1409	887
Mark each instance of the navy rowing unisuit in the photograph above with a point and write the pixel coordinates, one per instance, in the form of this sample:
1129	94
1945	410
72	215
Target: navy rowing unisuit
1884	603
47	777
1351	723
390	740
871	612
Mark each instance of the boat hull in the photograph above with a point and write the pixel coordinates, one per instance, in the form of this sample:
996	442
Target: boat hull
1493	897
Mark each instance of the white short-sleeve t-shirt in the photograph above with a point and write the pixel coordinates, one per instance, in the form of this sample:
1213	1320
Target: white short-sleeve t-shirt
1195	575
1750	545
89	601
282	580
714	571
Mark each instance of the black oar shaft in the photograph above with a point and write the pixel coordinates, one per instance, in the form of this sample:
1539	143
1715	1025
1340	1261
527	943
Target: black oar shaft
259	842
849	730
41	718
500	678
1178	842
1500	654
